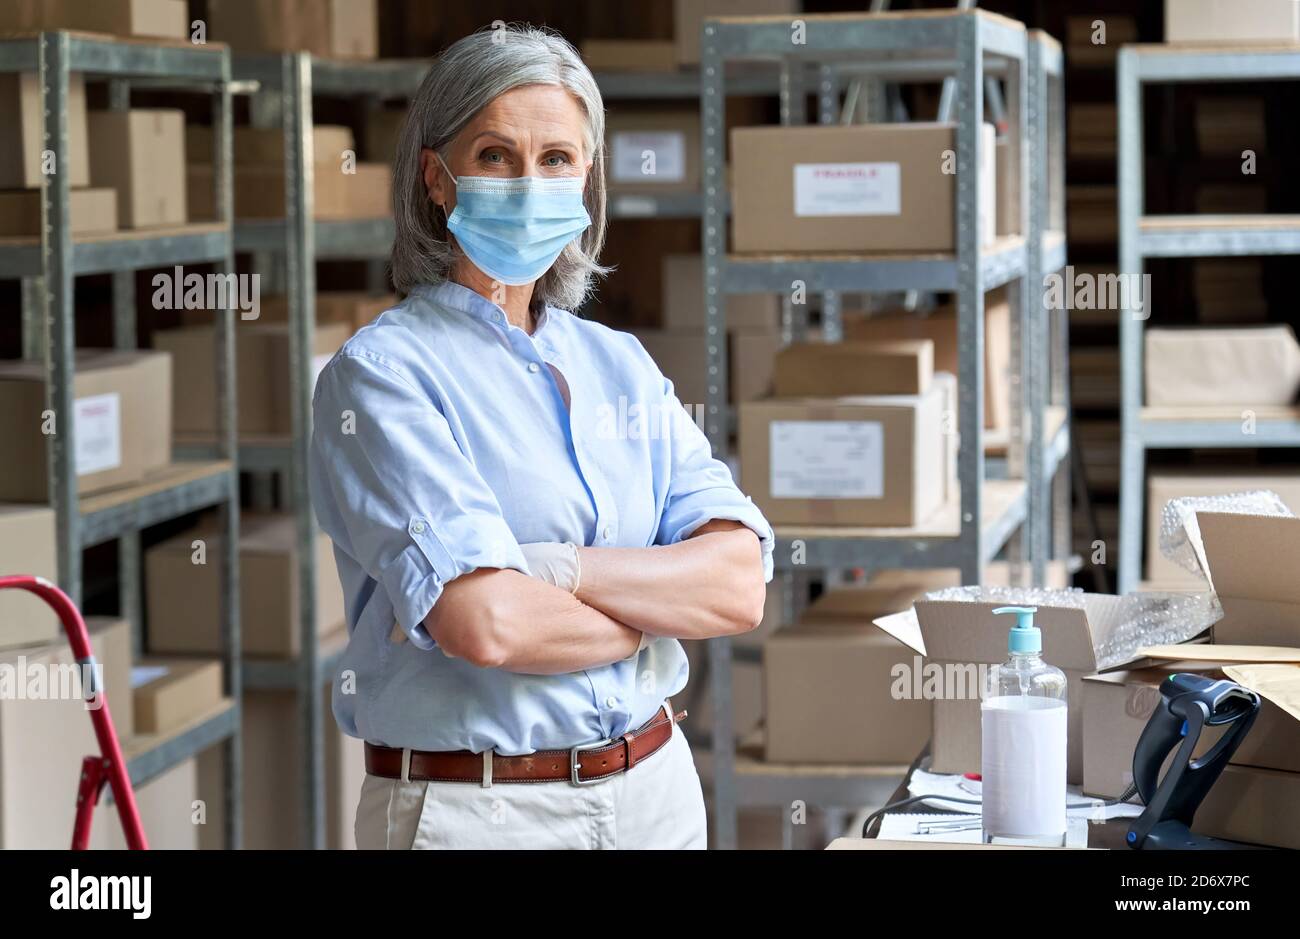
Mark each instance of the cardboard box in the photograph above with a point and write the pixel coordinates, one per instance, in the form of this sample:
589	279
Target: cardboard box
182	597
1226	126
689	17
882	460
166	19
828	688
262	368
860	188
959	637
996	574
1238	366
1092	46
1092	216
344	29
255	146
383	131
170	693
1251	563
122	412
653	151
168	809
683	300
22	145
837	369
90	212
141	154
43	740
940	327
681	357
272	777
629	55
1232	21
1167	485
1008	196
260	192
749	368
354	308
1229	290
27	546
1257	806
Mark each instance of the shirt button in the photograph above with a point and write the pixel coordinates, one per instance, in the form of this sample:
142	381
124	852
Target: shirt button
418	528
611	702
534	367
606	534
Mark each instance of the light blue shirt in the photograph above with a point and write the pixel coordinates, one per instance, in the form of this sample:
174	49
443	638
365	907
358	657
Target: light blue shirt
442	442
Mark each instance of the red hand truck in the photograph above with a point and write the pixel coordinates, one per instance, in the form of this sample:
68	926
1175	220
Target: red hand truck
108	767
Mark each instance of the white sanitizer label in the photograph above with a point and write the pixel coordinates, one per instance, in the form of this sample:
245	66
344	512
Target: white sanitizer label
1023	766
98	433
822	189
827	459
648	157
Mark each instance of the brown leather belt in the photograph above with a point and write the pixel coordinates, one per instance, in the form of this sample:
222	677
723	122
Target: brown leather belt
581	765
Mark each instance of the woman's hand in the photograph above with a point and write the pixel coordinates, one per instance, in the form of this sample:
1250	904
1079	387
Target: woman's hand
709	585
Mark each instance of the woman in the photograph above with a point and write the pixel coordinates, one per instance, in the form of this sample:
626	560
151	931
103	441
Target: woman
518	572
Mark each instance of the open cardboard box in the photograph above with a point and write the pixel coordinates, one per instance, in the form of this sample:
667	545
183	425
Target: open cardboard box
1251	560
963	638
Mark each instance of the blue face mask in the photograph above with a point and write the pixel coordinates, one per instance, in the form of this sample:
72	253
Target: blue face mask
514	229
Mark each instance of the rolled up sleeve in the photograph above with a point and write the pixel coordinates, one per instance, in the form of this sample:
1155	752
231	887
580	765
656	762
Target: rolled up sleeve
396	493
701	489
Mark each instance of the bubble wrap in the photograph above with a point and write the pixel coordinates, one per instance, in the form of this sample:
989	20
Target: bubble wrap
1135	621
1180	536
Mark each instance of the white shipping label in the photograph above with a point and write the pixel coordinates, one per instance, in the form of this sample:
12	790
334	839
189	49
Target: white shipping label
847	189
98	433
827	459
648	156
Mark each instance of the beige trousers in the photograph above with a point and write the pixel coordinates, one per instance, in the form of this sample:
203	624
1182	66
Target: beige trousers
658	804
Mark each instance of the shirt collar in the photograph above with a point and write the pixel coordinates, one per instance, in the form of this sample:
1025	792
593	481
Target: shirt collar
454	296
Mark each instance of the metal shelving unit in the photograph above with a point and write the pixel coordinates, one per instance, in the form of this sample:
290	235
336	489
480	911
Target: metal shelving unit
47	266
991	513
290	82
1144	236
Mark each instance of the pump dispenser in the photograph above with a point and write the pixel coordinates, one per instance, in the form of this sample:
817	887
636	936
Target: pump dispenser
1023	725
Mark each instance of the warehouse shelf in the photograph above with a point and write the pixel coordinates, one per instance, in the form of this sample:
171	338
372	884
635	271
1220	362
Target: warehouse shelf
176	490
885	272
334	240
107	252
1205	236
624	205
286	674
681	83
934	543
48	266
970	46
1143	236
150	755
761	783
264	453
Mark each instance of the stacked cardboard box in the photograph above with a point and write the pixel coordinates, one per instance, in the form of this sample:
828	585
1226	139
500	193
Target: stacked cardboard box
1220	21
1229	290
122	409
165	19
263	390
1092	130
382	132
46	730
170	693
344	29
1092	214
653	151
886	458
1227	126
272	777
141	155
1229	367
679	348
27	546
939	326
1231	199
24	162
182	587
629	55
1093	41
689	17
860	188
836	688
343	188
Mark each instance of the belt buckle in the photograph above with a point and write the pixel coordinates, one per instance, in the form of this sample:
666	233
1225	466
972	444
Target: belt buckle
574	767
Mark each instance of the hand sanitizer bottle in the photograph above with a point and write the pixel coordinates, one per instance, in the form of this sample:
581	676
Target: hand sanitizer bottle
1023	722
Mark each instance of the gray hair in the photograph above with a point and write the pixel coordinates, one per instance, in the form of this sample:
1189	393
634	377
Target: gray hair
464	79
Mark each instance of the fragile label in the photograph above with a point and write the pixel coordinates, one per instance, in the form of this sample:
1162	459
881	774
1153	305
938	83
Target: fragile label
827	459
822	189
98	433
648	156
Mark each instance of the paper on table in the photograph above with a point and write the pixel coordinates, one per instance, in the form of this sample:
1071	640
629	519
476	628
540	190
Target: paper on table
941	784
903	827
